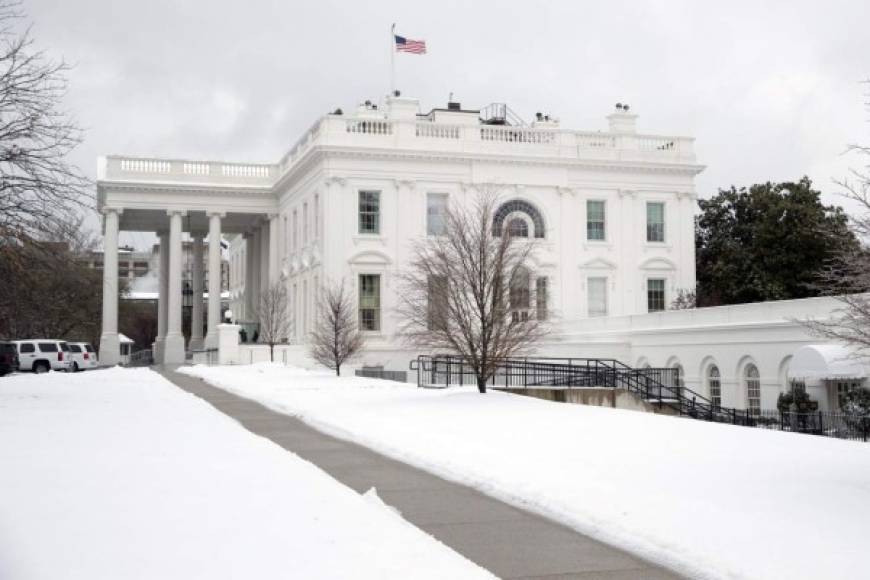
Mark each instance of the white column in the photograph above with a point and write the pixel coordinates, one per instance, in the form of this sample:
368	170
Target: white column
110	347
256	269
162	295
274	249
174	344
214	279
196	320
249	277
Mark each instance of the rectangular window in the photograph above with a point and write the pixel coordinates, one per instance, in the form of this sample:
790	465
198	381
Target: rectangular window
316	216
369	212
597	296
294	235
595	229
541	297
436	212
437	303
370	302
655	295
305	224
294	310
655	222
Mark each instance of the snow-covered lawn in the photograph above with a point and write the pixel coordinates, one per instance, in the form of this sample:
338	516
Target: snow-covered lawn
709	500
120	475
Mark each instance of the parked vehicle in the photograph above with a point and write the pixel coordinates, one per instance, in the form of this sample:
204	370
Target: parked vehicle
83	356
43	354
8	358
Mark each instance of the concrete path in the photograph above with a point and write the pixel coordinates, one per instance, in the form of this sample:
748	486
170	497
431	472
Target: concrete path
509	542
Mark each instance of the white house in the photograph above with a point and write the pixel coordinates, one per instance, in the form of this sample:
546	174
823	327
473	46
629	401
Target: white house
612	211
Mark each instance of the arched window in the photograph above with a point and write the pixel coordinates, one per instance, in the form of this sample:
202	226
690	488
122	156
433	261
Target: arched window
714	385
518	206
518	228
678	376
753	388
520	294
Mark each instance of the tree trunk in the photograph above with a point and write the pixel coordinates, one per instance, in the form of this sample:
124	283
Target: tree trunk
338	370
481	384
272	352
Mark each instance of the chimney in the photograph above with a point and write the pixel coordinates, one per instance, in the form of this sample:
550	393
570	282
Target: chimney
621	121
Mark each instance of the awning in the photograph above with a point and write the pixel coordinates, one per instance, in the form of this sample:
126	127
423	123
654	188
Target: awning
827	362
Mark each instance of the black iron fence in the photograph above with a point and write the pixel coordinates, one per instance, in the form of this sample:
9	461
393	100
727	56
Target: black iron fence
661	387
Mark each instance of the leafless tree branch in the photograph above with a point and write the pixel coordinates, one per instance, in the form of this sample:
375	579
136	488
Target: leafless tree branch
336	338
470	292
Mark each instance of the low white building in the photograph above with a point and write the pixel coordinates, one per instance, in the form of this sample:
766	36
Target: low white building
612	212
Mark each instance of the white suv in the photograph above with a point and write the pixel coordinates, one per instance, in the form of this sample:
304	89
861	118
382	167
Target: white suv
83	356
42	355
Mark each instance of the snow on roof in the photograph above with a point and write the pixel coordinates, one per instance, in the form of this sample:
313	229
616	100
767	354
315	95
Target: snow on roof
125	339
827	361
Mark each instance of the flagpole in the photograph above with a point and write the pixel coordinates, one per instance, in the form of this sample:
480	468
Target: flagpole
393	59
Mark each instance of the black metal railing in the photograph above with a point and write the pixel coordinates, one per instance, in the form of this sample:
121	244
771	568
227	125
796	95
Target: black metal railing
208	356
141	358
661	387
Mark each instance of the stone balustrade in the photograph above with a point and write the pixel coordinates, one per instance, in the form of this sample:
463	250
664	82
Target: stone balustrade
414	135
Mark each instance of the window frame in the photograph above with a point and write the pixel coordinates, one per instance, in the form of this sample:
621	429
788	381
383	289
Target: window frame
430	196
603	280
377	308
542	297
603	221
664	301
714	392
752	384
649	225
374	215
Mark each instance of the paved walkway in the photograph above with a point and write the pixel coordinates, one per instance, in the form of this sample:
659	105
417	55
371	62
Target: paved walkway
509	542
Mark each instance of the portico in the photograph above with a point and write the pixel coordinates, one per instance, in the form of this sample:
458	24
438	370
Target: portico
173	199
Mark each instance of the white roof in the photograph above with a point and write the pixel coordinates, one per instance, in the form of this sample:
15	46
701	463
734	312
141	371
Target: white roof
827	361
124	338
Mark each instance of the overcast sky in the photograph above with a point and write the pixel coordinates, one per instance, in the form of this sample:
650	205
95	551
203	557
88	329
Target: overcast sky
770	90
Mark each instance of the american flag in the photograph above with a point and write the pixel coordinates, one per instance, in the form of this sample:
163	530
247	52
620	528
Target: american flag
407	45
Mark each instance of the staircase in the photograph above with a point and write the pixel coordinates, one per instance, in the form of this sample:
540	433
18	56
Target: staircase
500	114
659	387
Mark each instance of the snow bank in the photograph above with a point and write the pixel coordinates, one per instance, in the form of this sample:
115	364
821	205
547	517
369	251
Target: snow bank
712	501
119	474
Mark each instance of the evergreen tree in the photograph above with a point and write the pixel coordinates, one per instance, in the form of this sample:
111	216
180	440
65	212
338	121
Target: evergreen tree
770	242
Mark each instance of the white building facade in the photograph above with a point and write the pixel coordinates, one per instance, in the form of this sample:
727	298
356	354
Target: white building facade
612	212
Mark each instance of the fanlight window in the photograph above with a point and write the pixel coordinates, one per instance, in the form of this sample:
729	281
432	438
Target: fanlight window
518	206
518	228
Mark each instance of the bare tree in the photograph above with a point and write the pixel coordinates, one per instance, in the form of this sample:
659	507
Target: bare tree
274	317
336	337
847	277
470	291
48	287
39	187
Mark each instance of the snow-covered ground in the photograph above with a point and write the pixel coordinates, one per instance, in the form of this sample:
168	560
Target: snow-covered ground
119	474
712	501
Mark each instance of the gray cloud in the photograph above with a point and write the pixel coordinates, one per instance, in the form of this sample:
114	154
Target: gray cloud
770	90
